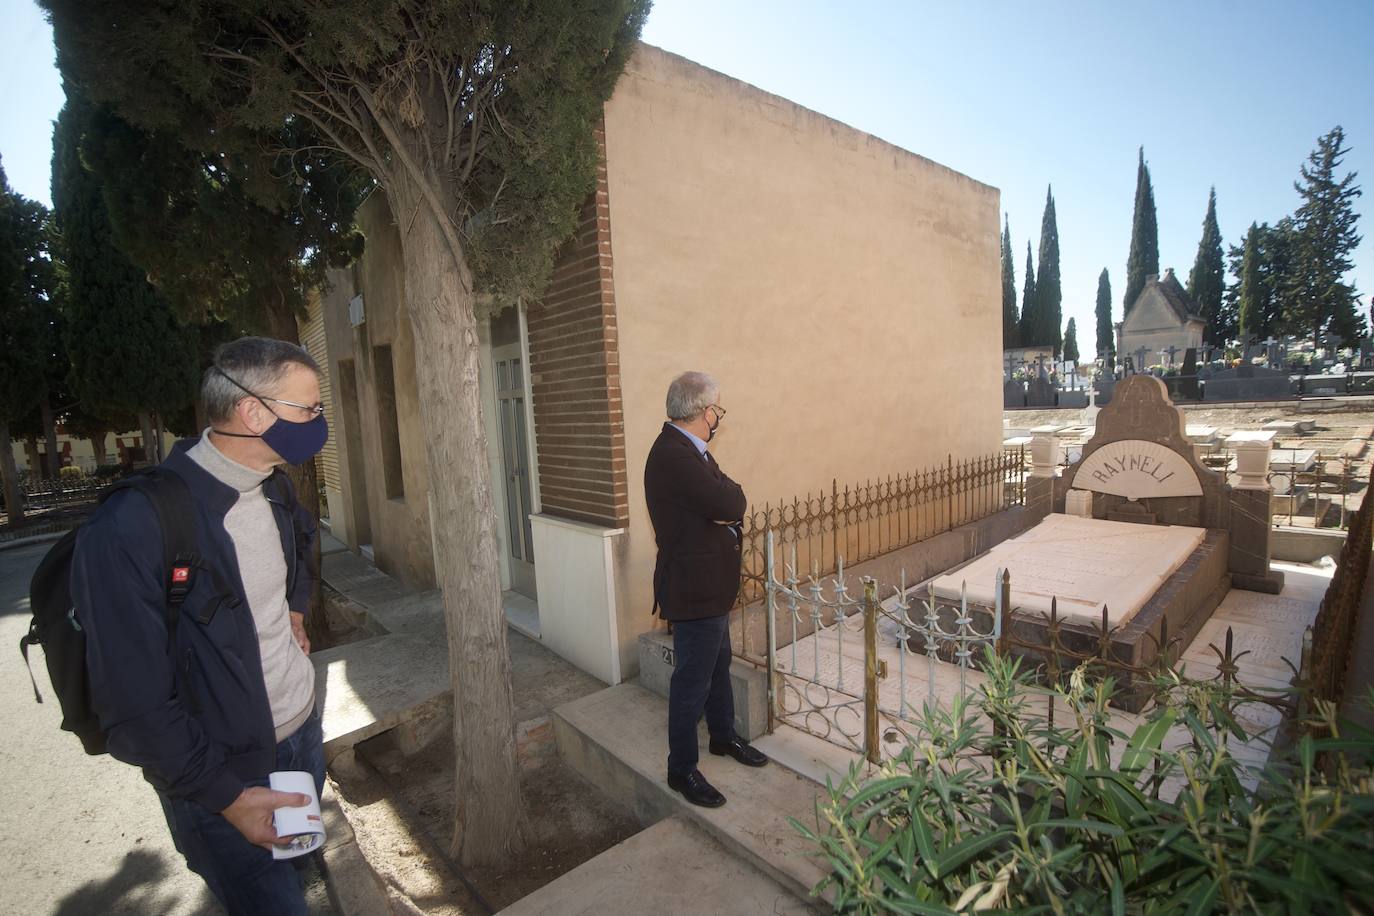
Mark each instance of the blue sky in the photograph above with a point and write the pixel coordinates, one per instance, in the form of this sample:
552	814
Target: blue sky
1017	95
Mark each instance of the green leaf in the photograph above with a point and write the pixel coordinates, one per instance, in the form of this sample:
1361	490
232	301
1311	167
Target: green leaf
1147	739
925	843
966	849
1202	903
1118	897
1078	824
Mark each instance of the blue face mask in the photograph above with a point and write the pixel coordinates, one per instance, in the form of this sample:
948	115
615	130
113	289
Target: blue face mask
296	443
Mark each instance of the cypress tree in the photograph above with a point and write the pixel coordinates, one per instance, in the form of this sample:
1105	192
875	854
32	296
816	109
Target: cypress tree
1011	333
1324	240
22	333
1071	341
1029	304
1143	260
1048	291
1248	284
128	353
1106	334
1207	279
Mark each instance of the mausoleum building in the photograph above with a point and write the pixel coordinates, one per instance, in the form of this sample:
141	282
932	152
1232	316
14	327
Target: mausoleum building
1162	317
843	291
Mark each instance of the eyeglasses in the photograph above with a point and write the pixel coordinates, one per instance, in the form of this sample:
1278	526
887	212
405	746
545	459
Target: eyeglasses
720	411
313	411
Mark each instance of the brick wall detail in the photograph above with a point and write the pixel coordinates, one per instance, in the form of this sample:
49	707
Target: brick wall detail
575	376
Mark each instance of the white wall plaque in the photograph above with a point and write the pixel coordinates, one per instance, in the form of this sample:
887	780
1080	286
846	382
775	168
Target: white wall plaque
1137	469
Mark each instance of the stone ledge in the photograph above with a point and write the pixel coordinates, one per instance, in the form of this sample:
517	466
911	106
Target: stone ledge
617	740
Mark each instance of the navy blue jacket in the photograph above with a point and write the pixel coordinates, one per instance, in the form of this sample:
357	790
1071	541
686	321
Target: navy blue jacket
197	720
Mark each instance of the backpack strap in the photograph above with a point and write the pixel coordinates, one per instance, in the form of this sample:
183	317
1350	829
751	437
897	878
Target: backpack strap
176	517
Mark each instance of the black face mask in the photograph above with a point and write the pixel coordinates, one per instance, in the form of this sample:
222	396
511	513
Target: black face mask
712	427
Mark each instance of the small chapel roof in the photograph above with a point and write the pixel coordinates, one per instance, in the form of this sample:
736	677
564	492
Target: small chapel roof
1174	294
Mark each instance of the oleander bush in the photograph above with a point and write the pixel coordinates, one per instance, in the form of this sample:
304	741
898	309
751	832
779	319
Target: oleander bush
1082	818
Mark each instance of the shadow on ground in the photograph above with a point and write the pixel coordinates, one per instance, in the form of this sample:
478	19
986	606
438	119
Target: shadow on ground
137	887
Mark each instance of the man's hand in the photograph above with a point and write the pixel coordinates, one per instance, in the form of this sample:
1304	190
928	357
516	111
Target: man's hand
298	631
251	812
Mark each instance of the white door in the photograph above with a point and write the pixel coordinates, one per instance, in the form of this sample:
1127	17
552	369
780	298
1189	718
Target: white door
511	410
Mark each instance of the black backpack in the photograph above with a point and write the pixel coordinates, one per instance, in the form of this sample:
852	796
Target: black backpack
55	626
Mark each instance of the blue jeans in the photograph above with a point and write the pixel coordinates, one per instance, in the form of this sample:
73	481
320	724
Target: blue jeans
244	877
701	682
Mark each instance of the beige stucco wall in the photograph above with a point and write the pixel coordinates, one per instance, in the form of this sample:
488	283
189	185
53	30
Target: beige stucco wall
845	293
400	534
1154	325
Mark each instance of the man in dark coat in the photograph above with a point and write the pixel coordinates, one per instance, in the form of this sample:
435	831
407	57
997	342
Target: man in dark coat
696	510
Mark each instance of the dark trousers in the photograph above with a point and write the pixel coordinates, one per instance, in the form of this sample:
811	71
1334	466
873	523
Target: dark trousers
243	877
701	683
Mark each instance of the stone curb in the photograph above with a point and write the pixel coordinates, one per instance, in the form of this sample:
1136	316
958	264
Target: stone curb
29	542
354	888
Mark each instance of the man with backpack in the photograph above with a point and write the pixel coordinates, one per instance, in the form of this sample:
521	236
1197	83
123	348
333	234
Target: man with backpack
198	673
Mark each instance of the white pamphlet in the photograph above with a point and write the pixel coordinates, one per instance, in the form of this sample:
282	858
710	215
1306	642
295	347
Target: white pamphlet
302	828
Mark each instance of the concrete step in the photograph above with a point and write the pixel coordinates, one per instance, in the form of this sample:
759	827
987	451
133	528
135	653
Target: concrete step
617	739
672	867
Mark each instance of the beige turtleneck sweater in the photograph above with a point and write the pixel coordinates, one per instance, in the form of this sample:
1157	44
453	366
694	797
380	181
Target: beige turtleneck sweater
288	674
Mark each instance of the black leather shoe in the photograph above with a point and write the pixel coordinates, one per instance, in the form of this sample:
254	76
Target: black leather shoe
741	750
696	789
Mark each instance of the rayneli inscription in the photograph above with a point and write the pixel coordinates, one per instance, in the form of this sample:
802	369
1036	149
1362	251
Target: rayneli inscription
1138	469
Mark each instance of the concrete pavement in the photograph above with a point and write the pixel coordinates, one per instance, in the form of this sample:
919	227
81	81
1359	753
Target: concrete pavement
78	835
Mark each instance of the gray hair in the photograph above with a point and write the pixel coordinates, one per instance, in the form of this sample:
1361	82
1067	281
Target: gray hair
256	363
690	394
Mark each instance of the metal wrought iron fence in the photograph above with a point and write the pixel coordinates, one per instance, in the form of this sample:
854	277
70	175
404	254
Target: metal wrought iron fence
831	654
858	522
60	492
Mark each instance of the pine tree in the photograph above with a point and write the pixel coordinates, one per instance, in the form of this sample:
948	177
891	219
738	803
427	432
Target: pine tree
1324	241
1071	342
1029	305
1207	279
1106	334
1011	332
1143	260
1047	285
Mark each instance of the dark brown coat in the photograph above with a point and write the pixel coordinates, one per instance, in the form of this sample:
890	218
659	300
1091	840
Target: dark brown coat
697	571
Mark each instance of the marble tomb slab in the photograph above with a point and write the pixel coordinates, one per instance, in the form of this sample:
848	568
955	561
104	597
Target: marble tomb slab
1084	563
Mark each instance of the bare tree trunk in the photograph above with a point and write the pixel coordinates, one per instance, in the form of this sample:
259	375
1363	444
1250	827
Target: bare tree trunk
45	415
145	428
282	325
98	446
489	814
31	453
9	478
